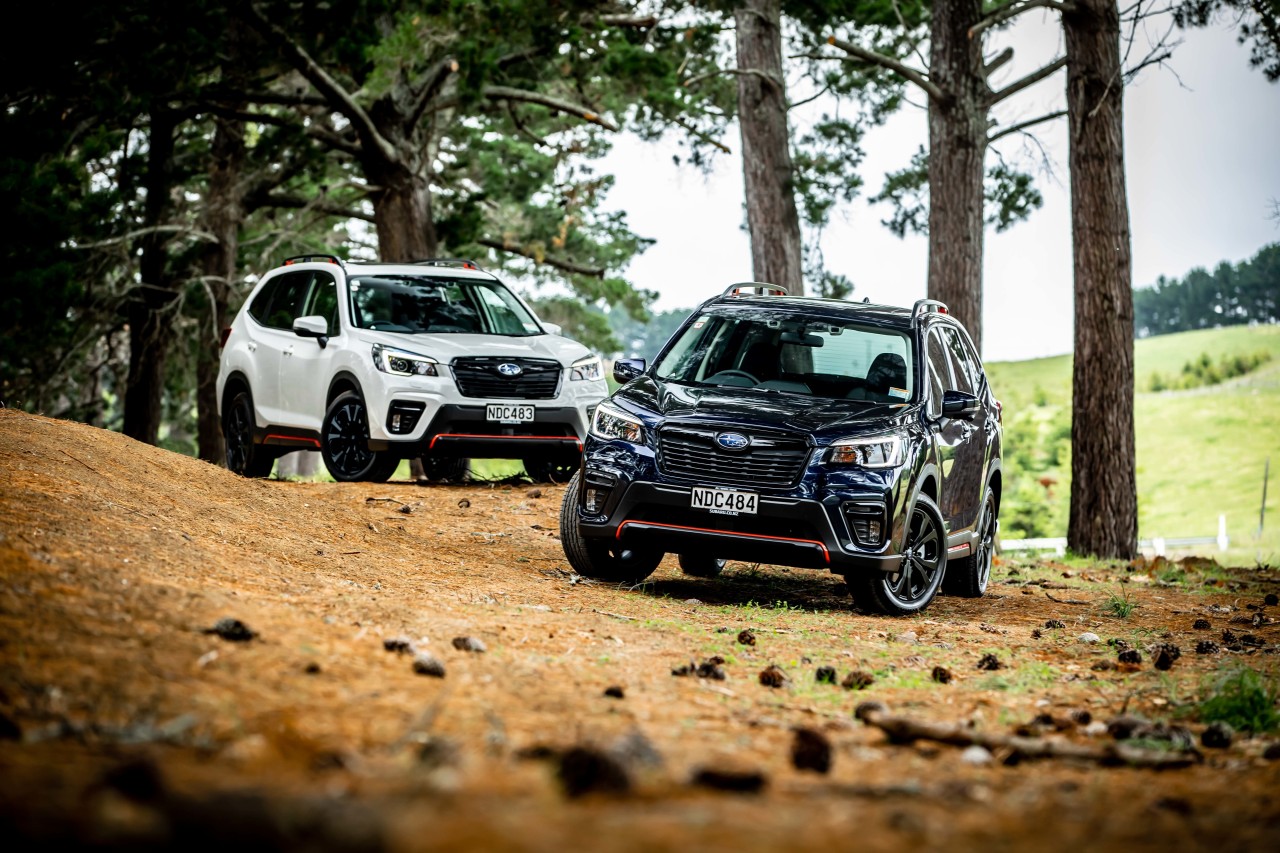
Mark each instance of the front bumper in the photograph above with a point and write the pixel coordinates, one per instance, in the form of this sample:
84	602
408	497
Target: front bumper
463	430
805	528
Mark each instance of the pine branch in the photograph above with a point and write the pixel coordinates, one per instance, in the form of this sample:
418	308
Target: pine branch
998	62
751	72
901	68
431	87
1023	125
1030	80
639	22
506	93
538	257
699	135
337	96
1014	8
319	205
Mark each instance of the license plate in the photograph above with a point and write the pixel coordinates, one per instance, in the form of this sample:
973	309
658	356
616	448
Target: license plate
505	414
724	501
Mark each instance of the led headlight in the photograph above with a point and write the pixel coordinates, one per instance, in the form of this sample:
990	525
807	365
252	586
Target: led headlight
613	423
402	363
585	368
879	451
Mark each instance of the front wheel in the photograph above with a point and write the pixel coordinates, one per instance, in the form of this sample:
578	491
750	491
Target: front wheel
344	443
243	456
968	577
924	561
598	559
698	566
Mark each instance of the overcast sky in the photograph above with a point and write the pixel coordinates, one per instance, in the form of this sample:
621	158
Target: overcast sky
1202	158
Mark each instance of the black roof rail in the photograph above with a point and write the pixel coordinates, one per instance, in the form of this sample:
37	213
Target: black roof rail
928	306
303	259
464	263
763	287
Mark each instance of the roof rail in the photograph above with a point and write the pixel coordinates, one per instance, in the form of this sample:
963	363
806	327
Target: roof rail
464	263
762	286
928	306
303	259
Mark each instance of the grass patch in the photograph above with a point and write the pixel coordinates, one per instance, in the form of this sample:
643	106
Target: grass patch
1119	605
1242	698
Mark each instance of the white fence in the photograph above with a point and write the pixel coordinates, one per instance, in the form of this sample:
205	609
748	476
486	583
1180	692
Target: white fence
1157	546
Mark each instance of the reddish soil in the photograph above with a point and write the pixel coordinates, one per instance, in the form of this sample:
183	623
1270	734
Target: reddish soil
123	723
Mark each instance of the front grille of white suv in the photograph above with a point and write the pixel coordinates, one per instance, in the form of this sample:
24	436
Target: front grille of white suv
493	377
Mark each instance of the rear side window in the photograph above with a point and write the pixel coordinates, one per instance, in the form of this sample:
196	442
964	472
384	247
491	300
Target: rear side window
964	363
939	372
324	300
282	300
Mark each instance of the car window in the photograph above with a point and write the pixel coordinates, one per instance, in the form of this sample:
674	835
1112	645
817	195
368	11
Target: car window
324	301
260	305
783	351
282	300
961	370
939	372
411	304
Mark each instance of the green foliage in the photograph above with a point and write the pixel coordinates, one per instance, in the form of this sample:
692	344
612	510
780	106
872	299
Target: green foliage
583	323
1118	604
1258	20
1244	699
1204	371
1233	294
1011	196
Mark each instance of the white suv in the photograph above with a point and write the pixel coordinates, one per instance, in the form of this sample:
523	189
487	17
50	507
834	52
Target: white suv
374	363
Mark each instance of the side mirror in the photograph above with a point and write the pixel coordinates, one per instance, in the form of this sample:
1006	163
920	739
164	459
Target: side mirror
313	327
958	404
553	328
626	369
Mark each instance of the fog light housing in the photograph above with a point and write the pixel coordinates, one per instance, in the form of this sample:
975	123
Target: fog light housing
865	521
403	416
596	491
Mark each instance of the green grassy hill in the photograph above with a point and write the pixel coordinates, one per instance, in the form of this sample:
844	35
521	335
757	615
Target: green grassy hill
1201	451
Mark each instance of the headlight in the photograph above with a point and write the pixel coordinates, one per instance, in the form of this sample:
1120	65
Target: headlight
585	368
880	451
610	423
403	363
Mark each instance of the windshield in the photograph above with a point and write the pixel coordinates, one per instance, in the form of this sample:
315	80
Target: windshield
779	351
410	304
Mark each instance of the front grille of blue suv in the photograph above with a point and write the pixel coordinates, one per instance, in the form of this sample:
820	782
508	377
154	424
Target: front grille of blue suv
859	439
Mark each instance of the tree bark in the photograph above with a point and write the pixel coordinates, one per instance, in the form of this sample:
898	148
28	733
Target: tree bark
224	211
402	213
1104	505
957	146
148	313
772	218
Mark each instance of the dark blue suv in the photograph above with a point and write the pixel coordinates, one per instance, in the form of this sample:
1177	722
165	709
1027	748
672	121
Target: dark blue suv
817	433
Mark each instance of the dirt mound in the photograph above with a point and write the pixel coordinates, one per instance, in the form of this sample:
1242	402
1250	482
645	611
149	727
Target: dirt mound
418	667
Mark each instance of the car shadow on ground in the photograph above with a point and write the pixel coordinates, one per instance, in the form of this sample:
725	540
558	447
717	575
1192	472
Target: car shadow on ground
771	588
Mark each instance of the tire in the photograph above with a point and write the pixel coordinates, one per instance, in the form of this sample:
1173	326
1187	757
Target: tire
599	559
968	576
344	443
244	457
446	469
701	567
550	470
924	562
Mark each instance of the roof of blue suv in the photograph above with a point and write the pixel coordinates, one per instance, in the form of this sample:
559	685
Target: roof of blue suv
880	315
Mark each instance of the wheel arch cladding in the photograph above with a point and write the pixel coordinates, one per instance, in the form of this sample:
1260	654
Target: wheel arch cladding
340	384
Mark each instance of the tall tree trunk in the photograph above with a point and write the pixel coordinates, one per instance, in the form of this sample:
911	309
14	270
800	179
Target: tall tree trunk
957	145
402	213
1104	502
224	211
772	217
149	312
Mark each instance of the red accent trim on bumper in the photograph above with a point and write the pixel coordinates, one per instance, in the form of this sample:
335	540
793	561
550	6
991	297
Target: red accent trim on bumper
503	437
299	438
826	555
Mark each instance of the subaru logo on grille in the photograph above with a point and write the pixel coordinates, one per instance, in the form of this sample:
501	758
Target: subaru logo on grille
509	369
732	441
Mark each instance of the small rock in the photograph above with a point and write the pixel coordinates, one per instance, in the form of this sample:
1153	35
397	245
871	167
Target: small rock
1272	752
989	662
976	755
1207	647
1055	623
771	676
1217	736
825	675
615	691
1089	637
734	781
811	750
636	751
312	668
696	602
469	644
1123	727
406	509
533	493
232	630
909	637
464	503
428	664
1271	600
585	770
858	680
865	709
399	645
1132	656
1103	666
941	674
1096	728
747	637
1201	625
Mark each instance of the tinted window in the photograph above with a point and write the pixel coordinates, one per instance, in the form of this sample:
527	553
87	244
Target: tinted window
939	373
410	304
324	300
961	369
282	300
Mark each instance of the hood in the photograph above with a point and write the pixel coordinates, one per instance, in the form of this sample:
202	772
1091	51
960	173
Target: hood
746	407
446	347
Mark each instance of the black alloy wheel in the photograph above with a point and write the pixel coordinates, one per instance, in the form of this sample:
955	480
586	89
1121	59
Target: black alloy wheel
600	560
698	566
924	561
968	577
243	456
344	443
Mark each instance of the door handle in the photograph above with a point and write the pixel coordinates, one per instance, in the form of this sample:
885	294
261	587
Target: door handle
252	346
